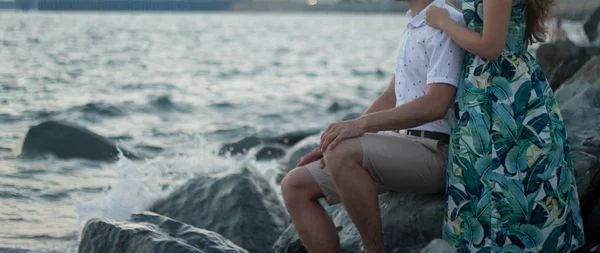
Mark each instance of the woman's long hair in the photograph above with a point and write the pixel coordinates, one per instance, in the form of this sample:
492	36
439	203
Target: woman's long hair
537	11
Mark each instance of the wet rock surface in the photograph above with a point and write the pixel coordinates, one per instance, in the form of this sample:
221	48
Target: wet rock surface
151	233
240	205
68	140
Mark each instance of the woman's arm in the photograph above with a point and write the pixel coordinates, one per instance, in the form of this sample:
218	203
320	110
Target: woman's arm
490	43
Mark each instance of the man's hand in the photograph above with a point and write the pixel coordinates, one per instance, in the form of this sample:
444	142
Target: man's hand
337	132
314	155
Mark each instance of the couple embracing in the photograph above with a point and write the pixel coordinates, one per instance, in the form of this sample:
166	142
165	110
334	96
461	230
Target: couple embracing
468	113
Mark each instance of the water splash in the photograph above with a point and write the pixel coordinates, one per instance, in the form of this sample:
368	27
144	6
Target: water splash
269	169
138	184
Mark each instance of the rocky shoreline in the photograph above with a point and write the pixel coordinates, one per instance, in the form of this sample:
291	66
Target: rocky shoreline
238	211
576	10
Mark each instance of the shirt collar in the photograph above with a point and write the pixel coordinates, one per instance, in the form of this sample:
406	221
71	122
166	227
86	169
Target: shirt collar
419	20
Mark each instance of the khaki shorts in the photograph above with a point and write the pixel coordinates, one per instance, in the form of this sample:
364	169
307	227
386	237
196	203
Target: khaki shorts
396	162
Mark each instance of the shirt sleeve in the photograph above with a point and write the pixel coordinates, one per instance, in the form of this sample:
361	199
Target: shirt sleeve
445	58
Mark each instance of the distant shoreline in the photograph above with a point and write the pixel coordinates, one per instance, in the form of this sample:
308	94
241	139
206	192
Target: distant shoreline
203	6
576	10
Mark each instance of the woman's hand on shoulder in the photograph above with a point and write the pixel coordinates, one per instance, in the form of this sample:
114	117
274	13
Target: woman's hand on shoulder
435	17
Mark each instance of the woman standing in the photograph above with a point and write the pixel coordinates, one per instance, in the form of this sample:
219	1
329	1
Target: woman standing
511	186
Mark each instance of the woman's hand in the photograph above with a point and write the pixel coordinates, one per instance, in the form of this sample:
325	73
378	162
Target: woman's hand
436	17
337	132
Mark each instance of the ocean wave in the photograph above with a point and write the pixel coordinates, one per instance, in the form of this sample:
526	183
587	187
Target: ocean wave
64	194
99	109
68	237
41	114
15	250
20	250
237	72
361	72
223	105
10	87
3	149
8	43
150	148
149	86
164	103
6	194
29	172
121	137
139	184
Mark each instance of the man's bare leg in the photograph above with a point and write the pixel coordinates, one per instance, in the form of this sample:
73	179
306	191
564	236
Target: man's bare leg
316	229
357	192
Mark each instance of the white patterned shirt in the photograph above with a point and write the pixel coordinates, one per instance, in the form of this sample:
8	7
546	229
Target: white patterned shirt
425	56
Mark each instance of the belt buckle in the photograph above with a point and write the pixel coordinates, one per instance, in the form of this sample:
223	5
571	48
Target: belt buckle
418	133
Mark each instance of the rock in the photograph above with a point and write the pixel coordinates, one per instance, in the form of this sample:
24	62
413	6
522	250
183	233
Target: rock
438	246
240	147
341	106
289	242
592	142
334	107
239	205
592	231
164	103
580	106
579	100
292	138
67	140
588	185
295	154
410	221
582	127
590	72
590	27
560	60
270	152
244	145
151	233
586	167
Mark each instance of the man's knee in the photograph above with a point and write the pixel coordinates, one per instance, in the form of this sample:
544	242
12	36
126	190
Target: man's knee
298	185
347	152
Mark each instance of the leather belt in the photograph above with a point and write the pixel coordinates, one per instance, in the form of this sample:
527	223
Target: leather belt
445	138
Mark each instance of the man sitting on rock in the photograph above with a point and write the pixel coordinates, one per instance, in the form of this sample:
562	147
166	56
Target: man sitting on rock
360	158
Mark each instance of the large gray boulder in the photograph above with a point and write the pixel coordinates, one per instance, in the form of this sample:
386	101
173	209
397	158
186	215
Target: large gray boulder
244	145
410	222
239	205
295	154
590	26
579	100
151	233
68	140
588	73
560	60
270	152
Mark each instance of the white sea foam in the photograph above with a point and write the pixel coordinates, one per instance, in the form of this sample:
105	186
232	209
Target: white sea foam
138	184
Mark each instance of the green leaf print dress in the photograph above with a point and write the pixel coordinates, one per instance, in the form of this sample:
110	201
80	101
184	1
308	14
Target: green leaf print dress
511	185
